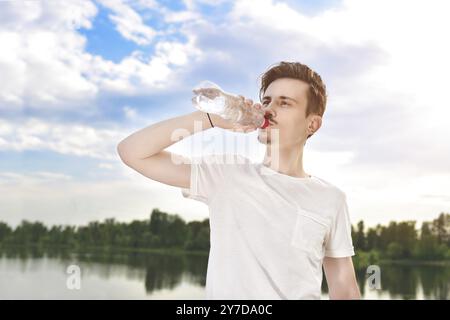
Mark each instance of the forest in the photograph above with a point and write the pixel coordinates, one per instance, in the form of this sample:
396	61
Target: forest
396	241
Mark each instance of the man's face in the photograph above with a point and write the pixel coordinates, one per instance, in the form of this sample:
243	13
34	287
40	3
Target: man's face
285	99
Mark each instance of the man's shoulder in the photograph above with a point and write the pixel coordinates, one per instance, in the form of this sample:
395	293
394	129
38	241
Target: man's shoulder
332	189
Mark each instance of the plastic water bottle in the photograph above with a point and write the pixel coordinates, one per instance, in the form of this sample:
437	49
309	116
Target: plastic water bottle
209	97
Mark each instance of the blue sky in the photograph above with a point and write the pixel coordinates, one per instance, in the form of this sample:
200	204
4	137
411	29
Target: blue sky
79	77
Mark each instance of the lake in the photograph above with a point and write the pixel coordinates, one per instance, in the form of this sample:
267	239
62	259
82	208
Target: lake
35	274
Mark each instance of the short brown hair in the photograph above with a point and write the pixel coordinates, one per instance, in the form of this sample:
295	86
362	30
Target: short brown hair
317	95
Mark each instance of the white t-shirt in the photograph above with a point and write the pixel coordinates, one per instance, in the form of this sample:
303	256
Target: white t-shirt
269	231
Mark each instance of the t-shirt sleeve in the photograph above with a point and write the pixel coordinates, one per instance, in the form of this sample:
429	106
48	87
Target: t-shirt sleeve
207	173
339	241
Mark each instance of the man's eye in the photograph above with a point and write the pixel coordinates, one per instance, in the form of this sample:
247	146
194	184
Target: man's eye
282	103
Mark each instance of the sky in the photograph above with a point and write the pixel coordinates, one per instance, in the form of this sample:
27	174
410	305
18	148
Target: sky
79	76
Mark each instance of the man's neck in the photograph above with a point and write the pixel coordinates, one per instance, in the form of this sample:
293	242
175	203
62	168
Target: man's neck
288	161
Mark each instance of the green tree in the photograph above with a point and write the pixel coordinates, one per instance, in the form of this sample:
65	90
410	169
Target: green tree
394	250
5	231
372	239
360	238
441	228
198	235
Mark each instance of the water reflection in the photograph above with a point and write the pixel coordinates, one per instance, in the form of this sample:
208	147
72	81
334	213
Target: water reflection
37	273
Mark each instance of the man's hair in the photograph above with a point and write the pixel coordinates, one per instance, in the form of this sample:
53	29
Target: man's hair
317	95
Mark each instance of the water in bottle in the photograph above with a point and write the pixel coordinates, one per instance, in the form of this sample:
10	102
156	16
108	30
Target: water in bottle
209	97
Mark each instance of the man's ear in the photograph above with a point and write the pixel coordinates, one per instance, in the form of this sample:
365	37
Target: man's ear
314	124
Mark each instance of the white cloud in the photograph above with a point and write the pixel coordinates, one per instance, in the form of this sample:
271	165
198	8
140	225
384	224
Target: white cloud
72	139
44	63
41	56
128	22
129	112
35	178
179	16
107	166
44	15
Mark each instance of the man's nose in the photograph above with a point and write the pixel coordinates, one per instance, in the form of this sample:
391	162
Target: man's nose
271	113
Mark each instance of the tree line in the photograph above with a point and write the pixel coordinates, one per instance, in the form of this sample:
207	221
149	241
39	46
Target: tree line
397	240
162	230
401	240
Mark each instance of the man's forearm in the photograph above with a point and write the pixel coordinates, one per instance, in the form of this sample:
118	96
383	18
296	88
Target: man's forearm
158	136
345	292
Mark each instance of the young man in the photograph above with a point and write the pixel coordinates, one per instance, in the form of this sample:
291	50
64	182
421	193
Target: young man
273	226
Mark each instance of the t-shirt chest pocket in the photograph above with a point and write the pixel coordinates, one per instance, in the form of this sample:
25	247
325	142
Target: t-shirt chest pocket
310	231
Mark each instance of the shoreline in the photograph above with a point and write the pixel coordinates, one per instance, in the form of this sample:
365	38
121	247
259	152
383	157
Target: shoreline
179	251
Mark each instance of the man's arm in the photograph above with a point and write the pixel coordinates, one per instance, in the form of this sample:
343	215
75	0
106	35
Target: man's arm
144	151
341	279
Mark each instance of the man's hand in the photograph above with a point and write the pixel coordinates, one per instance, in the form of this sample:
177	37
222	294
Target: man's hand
220	122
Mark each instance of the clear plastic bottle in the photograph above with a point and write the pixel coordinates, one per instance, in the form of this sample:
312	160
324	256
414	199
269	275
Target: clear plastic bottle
209	97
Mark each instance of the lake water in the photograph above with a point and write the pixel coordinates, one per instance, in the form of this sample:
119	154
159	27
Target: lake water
26	274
